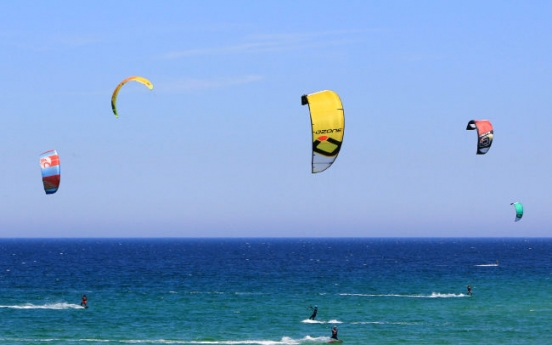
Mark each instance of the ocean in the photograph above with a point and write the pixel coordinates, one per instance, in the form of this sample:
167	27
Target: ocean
261	290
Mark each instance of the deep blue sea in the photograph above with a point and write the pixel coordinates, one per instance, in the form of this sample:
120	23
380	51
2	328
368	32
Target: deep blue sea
258	291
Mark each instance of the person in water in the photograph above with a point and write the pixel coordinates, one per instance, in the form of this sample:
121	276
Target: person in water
314	311
469	290
84	300
334	332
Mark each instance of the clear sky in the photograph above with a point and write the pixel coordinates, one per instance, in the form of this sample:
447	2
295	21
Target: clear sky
222	145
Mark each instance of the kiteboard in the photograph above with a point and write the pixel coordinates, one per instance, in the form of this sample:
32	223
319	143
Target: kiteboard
335	341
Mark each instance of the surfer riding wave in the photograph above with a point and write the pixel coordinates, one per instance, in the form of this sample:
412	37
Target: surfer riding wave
314	312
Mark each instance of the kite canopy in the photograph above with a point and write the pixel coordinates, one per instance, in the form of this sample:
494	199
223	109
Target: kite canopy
49	163
484	134
116	91
519	210
328	126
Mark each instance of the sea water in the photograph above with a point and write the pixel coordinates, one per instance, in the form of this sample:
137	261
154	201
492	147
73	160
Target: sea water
258	291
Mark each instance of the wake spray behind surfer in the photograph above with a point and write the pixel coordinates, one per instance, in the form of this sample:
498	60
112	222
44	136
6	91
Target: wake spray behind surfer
314	311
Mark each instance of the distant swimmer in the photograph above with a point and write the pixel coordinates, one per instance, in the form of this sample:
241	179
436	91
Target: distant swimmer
84	301
469	290
334	332
314	311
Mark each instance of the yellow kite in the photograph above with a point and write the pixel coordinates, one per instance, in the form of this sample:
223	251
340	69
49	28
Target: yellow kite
328	126
116	92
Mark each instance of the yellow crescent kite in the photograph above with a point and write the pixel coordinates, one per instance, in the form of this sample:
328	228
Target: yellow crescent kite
116	92
328	125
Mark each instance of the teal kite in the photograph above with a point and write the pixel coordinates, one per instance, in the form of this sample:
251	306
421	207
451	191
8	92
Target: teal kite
519	210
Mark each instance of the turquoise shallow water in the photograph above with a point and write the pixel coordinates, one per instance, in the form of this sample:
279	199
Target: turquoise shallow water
257	291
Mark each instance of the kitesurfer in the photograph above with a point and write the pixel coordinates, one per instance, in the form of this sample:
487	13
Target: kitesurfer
469	290
314	311
334	332
83	301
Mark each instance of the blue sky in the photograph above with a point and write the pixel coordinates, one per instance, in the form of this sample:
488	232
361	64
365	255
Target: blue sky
221	146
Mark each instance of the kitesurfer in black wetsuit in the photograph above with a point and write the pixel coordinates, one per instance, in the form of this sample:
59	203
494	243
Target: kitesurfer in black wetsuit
334	332
469	290
314	311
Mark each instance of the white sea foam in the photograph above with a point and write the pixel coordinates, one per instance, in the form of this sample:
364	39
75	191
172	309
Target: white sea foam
432	295
27	340
283	341
321	321
446	295
486	265
384	323
54	306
